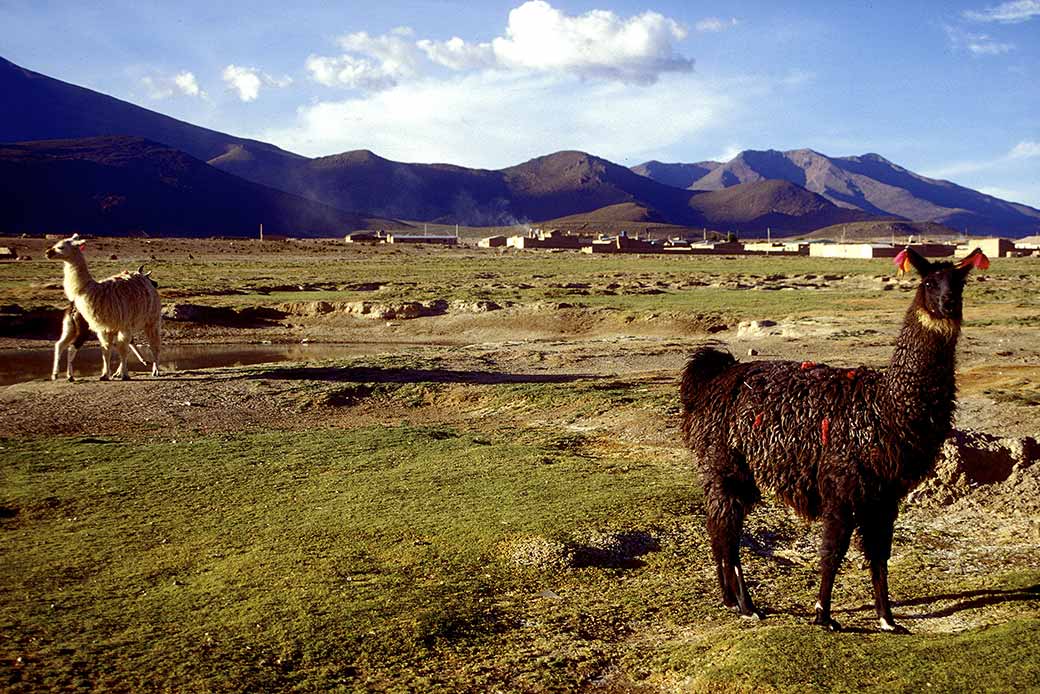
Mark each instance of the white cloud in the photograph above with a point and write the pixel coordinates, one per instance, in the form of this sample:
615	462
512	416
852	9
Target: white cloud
457	54
496	118
161	87
243	80
386	61
187	83
1026	149
595	44
715	24
247	81
538	38
353	72
984	45
728	154
1006	12
157	87
976	44
1014	192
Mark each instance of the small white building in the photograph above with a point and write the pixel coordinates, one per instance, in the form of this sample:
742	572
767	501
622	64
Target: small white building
492	242
852	250
993	248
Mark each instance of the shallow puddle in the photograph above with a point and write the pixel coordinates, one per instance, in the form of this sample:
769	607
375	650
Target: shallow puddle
18	365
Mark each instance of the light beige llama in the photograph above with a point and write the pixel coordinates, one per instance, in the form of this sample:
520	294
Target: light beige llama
116	309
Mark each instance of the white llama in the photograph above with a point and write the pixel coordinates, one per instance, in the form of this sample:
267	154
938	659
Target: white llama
116	308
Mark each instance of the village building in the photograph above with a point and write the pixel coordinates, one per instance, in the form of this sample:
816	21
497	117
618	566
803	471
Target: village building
777	247
493	242
623	244
436	239
877	250
994	248
367	236
547	239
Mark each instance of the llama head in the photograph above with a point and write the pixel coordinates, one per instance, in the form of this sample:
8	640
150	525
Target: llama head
66	249
939	297
147	276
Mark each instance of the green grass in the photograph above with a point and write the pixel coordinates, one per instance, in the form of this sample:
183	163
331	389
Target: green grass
376	558
793	659
277	559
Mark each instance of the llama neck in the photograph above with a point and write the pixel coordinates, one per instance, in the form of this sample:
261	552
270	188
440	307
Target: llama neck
77	277
921	378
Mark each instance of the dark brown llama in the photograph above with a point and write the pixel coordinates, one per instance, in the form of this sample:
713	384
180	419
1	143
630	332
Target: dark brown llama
840	445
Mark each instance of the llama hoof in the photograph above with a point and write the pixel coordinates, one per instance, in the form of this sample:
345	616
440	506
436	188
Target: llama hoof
103	377
827	623
754	615
125	377
70	379
890	627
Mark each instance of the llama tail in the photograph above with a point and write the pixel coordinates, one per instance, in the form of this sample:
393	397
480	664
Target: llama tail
702	367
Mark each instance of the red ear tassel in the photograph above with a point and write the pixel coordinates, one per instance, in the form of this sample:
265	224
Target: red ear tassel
976	259
902	261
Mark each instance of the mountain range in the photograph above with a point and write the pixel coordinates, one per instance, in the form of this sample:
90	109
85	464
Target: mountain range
121	185
119	168
868	182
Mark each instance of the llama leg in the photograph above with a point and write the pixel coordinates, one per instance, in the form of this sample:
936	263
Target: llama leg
730	501
60	347
720	531
124	360
137	353
837	531
105	340
155	342
68	327
68	366
877	548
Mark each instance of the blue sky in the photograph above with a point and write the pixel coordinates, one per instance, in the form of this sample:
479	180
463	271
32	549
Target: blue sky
949	90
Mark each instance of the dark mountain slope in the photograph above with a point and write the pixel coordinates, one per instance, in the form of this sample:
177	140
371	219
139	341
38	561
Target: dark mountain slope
124	185
37	107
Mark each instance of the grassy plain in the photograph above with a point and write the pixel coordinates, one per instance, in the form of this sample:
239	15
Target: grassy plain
504	514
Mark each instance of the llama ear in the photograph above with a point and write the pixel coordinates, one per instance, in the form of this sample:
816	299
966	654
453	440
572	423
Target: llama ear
976	259
909	258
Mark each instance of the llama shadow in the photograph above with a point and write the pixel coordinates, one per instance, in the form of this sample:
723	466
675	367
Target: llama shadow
612	550
968	600
369	374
